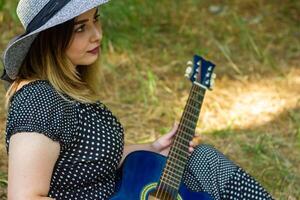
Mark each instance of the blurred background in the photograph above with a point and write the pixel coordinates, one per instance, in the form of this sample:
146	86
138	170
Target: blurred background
252	114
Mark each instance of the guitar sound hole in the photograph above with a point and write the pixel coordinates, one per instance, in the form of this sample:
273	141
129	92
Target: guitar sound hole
162	195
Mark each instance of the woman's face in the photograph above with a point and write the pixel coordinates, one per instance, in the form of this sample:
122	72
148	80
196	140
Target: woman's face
87	35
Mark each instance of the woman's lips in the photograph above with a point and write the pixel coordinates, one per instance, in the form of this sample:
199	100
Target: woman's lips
94	51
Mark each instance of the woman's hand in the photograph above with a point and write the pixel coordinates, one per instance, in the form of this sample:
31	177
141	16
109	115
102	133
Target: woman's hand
162	145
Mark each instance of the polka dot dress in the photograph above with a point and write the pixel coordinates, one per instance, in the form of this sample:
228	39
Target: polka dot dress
209	170
92	143
90	136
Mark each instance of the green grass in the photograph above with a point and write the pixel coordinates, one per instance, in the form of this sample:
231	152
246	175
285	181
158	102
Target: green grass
263	155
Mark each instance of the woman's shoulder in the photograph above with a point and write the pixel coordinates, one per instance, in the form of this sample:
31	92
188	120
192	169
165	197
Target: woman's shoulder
32	86
37	92
25	82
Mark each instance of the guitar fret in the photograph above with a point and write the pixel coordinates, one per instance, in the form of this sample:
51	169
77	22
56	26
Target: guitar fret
175	163
173	152
196	98
178	143
198	93
170	181
190	122
197	101
187	127
177	155
172	168
193	108
171	178
192	114
182	138
172	173
185	152
166	176
177	160
171	186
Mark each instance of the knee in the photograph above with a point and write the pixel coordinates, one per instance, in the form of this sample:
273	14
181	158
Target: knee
206	156
203	151
203	155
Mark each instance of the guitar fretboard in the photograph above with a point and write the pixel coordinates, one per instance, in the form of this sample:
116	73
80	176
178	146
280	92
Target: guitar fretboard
179	153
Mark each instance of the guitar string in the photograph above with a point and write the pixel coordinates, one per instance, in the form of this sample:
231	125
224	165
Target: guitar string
192	108
191	101
195	104
187	109
161	188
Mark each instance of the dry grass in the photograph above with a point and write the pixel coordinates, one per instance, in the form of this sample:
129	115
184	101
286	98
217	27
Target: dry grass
253	113
253	119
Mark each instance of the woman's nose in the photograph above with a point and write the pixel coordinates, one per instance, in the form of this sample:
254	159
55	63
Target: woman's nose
97	34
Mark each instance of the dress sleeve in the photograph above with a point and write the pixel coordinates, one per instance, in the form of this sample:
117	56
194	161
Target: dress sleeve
39	108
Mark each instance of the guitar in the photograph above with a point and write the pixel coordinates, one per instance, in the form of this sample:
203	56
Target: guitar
147	175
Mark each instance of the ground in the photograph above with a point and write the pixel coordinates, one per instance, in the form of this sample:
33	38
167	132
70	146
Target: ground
252	114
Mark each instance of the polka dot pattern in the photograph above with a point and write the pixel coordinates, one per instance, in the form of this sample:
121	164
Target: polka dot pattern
90	136
209	170
243	186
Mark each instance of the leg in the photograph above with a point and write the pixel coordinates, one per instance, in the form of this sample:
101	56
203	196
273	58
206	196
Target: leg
209	170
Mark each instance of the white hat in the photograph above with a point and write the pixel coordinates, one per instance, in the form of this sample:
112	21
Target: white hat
37	16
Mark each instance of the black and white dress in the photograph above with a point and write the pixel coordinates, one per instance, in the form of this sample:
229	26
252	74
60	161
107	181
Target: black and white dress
92	141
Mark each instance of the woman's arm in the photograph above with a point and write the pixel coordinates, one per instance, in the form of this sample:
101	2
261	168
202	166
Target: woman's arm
31	161
161	145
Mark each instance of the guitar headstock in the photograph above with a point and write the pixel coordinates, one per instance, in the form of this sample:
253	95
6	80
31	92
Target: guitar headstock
200	71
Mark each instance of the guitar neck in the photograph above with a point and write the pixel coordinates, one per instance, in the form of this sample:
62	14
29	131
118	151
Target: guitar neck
179	153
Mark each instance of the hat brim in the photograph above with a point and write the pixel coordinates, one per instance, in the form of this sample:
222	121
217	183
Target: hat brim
18	47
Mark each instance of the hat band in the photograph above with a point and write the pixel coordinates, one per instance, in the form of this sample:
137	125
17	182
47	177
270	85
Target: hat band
48	11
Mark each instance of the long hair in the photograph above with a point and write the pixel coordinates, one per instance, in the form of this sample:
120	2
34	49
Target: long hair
47	60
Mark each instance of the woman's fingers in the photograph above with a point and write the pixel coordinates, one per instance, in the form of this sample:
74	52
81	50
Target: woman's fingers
191	149
191	143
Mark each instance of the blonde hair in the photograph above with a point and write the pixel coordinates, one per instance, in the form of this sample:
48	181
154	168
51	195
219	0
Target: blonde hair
47	60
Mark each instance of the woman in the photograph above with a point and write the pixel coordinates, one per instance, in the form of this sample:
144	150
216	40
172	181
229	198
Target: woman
62	142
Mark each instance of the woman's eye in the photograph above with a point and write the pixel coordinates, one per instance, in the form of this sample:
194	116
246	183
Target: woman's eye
80	29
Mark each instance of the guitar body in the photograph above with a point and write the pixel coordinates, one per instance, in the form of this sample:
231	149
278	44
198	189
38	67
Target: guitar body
141	171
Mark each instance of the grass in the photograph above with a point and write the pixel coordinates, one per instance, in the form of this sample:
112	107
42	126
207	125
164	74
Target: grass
252	115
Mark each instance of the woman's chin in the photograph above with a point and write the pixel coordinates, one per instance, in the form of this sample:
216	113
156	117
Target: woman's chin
90	60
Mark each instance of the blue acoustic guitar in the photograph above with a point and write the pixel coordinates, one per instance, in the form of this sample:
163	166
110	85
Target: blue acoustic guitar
147	175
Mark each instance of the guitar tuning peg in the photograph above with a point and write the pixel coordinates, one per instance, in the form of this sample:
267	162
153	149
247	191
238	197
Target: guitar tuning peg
189	63
188	72
212	80
198	63
212	83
